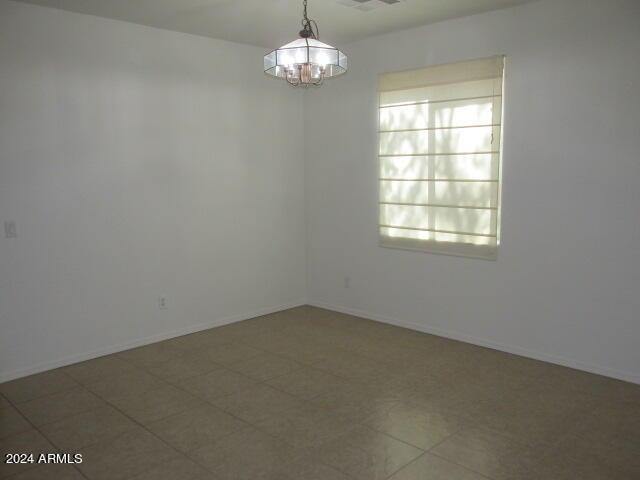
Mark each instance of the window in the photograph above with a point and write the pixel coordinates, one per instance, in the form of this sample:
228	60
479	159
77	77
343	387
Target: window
439	152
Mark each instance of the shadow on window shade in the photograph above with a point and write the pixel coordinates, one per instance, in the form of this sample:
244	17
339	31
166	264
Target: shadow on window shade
439	158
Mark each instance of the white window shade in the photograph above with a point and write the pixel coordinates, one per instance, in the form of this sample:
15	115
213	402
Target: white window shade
439	149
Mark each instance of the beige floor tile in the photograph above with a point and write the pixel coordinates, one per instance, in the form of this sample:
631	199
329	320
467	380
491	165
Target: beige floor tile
11	420
623	457
39	385
304	352
200	340
575	381
444	367
97	368
444	399
411	380
50	472
359	401
156	404
564	467
411	339
486	382
78	431
310	331
431	467
29	442
154	353
521	417
274	322
522	366
306	426
306	379
222	335
191	429
183	343
270	341
265	366
246	455
598	440
130	454
310	470
549	399
401	357
189	342
413	425
322	336
306	311
134	383
184	366
488	453
229	353
353	342
308	383
54	407
482	361
256	403
460	356
613	420
216	383
181	468
216	336
330	320
237	331
355	367
367	455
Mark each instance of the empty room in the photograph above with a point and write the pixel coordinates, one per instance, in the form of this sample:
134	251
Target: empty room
320	239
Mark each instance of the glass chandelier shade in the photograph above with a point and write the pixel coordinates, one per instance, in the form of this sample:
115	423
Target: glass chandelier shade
305	61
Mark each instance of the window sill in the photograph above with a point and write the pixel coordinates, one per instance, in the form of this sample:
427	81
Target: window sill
483	252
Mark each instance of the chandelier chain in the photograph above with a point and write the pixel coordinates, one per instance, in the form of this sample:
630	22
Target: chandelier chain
309	27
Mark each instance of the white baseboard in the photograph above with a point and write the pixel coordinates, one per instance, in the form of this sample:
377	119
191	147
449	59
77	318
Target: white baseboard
41	367
524	352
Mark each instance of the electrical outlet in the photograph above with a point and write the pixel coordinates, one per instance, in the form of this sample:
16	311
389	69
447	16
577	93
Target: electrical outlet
10	229
162	303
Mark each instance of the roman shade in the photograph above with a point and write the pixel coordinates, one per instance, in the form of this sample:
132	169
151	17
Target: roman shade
439	158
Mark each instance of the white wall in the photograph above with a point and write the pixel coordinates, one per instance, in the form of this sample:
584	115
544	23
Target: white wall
566	286
139	163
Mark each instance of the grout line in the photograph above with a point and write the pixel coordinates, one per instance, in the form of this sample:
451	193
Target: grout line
37	429
309	401
181	454
39	397
458	430
210	405
407	465
139	424
240	340
460	465
253	426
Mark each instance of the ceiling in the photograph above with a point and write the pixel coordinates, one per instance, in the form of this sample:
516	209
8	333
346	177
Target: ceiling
270	23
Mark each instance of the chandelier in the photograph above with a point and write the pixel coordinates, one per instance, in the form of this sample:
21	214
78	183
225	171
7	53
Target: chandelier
305	61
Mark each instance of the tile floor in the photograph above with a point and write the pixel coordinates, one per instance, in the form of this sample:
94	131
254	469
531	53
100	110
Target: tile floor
317	395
